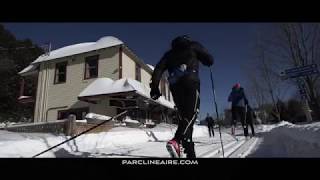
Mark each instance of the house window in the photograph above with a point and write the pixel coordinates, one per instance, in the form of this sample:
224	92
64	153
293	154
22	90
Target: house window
80	113
138	72
91	67
60	73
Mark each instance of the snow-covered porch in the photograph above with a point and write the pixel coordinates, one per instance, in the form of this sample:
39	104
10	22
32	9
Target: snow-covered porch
132	95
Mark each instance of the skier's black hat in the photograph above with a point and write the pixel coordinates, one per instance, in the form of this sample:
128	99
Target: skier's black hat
181	40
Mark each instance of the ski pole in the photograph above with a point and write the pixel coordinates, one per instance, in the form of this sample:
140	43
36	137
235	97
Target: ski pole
80	134
245	119
216	108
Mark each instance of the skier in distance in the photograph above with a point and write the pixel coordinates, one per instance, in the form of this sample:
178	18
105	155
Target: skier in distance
239	104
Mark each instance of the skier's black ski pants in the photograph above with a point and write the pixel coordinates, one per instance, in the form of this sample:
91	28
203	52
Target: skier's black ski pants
211	130
186	97
239	112
250	122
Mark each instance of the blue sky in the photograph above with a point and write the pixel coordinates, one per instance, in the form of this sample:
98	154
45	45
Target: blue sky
231	44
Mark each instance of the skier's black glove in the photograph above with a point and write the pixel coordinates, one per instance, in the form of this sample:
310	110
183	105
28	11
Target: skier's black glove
155	92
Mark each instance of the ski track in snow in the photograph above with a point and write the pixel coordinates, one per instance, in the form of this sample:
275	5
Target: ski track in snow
278	140
233	148
252	145
217	150
243	149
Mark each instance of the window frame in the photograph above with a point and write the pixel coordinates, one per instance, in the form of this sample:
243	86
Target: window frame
87	59
65	63
138	72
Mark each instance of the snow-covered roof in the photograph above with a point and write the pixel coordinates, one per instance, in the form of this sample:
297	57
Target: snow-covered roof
28	69
104	42
104	86
24	97
150	66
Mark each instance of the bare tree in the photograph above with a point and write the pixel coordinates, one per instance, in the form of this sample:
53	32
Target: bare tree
294	45
271	56
255	90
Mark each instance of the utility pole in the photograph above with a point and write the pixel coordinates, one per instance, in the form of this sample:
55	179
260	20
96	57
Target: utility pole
304	98
298	73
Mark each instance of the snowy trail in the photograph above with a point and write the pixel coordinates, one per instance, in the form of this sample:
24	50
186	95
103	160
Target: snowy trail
244	149
271	140
252	145
218	150
106	146
232	149
205	147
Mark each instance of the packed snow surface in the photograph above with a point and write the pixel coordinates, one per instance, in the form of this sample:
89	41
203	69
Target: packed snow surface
278	140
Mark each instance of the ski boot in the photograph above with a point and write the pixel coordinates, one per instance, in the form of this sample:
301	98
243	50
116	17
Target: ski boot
174	148
189	149
253	134
246	133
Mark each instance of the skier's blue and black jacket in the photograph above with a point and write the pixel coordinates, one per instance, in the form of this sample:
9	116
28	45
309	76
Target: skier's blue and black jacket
238	98
181	60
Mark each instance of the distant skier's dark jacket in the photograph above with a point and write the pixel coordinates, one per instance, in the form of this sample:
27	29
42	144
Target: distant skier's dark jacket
238	97
186	54
210	121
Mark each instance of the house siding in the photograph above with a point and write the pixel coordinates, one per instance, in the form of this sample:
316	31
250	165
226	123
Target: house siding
128	67
145	77
52	98
65	94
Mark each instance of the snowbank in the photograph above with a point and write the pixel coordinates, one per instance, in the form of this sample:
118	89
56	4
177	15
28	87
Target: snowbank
267	128
29	144
98	117
5	124
289	140
82	121
131	121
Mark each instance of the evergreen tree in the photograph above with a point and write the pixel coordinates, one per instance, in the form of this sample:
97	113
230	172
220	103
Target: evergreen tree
15	55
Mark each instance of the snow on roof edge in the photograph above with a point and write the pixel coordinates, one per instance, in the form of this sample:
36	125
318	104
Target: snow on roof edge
104	42
150	66
28	69
103	86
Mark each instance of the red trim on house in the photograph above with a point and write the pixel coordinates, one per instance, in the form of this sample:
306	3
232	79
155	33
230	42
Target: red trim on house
24	99
22	86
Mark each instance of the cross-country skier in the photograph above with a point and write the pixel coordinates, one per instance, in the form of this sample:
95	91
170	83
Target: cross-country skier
210	123
182	63
239	104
